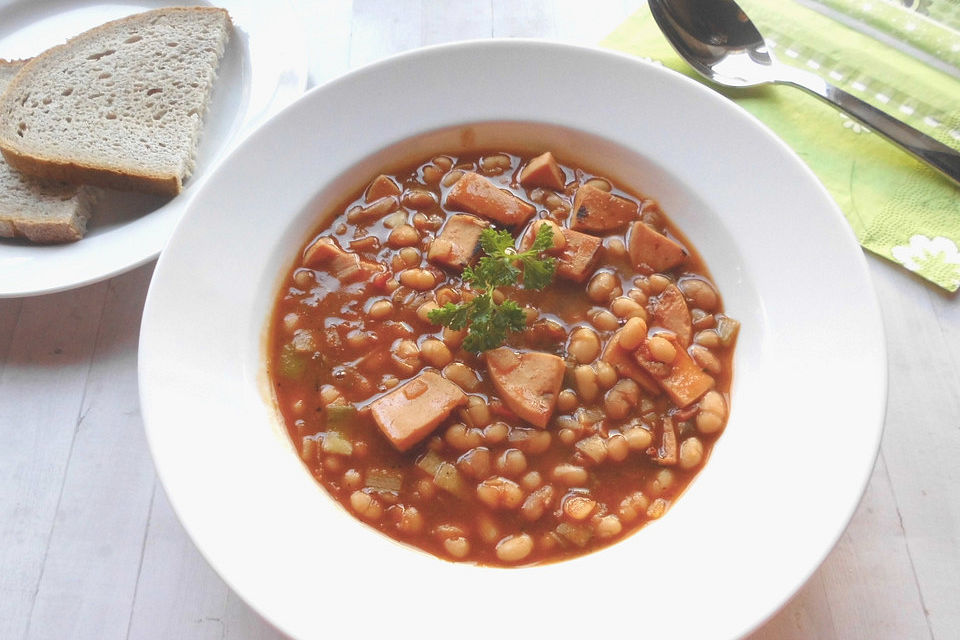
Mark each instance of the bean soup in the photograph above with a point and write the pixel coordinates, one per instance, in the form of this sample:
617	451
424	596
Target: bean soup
501	358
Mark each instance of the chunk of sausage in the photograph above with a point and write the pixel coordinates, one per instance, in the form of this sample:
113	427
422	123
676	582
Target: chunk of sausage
622	360
651	251
346	266
682	379
374	211
321	252
598	210
381	187
457	243
527	382
577	259
543	171
669	310
413	410
475	194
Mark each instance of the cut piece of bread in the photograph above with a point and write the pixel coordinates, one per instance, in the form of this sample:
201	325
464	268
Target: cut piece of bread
41	211
118	106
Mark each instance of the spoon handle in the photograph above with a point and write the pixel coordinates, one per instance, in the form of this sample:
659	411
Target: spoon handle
934	153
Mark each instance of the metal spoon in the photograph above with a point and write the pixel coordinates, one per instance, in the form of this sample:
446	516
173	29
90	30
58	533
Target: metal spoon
718	40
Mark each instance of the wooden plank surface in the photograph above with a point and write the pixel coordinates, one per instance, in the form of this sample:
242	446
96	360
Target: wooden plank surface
44	381
90	548
93	553
922	436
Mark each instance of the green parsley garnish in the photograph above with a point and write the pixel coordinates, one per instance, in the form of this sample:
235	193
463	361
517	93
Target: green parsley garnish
502	266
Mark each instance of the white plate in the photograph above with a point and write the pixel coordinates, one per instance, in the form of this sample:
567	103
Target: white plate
808	397
264	69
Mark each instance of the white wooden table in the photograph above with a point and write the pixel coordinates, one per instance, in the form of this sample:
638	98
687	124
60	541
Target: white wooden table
89	547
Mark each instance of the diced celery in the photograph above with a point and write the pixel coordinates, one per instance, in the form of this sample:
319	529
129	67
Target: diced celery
588	416
430	462
334	442
727	329
292	362
448	478
578	534
384	480
520	436
341	417
594	447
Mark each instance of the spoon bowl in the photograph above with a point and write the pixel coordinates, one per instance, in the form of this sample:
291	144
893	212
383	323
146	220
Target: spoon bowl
722	44
717	39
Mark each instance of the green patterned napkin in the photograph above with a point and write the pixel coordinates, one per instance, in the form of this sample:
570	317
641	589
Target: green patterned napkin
898	207
930	26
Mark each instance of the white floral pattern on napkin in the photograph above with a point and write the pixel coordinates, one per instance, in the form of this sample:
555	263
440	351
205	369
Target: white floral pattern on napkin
925	254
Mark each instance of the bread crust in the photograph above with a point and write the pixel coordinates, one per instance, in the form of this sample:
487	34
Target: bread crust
52	167
45	233
49	168
14	61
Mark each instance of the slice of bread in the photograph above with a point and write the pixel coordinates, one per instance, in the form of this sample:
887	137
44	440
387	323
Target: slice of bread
41	211
118	106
